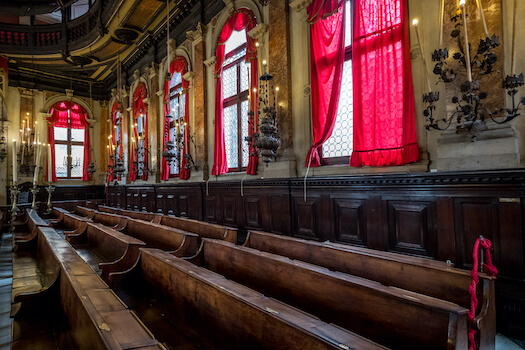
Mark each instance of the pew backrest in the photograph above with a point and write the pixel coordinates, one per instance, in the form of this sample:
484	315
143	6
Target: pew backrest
351	302
203	229
238	317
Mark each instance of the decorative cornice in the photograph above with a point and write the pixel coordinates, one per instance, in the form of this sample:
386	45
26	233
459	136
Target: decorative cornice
160	93
189	76
197	34
91	121
300	5
69	92
146	100
136	75
210	62
258	31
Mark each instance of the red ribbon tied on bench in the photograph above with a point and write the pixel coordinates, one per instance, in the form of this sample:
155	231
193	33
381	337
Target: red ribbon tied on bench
490	270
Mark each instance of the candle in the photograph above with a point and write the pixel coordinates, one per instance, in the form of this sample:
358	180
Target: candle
49	164
15	180
480	8
467	50
513	65
276	93
35	177
441	24
415	23
258	58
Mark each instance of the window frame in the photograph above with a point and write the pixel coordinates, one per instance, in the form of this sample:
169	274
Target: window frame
237	100
180	118
345	160
69	144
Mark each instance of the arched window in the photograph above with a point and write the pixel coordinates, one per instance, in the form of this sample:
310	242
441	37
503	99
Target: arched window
235	80
139	136
236	71
176	129
68	135
115	137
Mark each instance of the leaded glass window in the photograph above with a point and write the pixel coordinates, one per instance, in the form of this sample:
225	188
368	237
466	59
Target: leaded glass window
177	125
235	80
338	148
69	151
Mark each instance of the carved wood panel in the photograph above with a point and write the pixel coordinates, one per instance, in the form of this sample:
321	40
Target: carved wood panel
410	227
229	209
349	218
305	217
183	205
253	211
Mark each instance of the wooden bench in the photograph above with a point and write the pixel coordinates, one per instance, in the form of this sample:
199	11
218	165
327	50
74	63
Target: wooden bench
393	317
58	216
118	251
230	315
85	212
69	303
115	221
203	229
430	277
27	231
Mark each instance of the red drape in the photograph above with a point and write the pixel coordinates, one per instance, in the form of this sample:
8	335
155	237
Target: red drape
327	57
4	64
139	107
77	120
384	118
178	65
240	19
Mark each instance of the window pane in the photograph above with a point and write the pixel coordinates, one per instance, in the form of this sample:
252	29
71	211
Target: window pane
77	135
79	8
60	134
348	24
176	79
229	82
230	136
235	57
340	144
244	129
61	160
245	85
77	161
236	39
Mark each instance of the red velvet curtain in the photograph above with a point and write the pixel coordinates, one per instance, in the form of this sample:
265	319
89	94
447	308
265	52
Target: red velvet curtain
139	107
327	57
178	65
384	118
78	120
240	19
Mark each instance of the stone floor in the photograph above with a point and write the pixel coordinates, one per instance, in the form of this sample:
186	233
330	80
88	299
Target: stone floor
6	280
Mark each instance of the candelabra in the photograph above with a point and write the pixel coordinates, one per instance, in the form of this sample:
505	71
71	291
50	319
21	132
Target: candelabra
470	113
173	152
34	192
26	158
265	140
50	190
14	208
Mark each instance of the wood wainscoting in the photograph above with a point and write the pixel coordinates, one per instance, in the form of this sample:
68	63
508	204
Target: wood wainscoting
437	216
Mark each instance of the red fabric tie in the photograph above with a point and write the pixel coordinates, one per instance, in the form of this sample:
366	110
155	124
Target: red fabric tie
490	270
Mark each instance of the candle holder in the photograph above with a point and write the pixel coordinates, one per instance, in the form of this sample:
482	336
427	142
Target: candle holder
50	190
265	140
470	114
34	192
14	209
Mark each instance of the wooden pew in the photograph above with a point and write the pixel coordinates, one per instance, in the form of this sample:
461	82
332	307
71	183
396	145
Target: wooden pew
115	221
69	303
393	317
203	229
178	242
27	231
139	215
231	316
429	277
118	251
85	212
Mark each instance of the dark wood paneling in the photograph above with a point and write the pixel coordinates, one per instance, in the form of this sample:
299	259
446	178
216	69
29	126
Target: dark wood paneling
306	216
349	220
410	227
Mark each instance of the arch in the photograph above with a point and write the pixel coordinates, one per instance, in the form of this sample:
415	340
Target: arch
225	15
58	98
163	69
134	86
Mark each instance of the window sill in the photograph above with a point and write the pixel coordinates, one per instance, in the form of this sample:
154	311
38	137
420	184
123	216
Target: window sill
420	166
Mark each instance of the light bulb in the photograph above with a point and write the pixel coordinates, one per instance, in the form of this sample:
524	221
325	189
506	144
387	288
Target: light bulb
277	88
265	63
462	2
415	22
